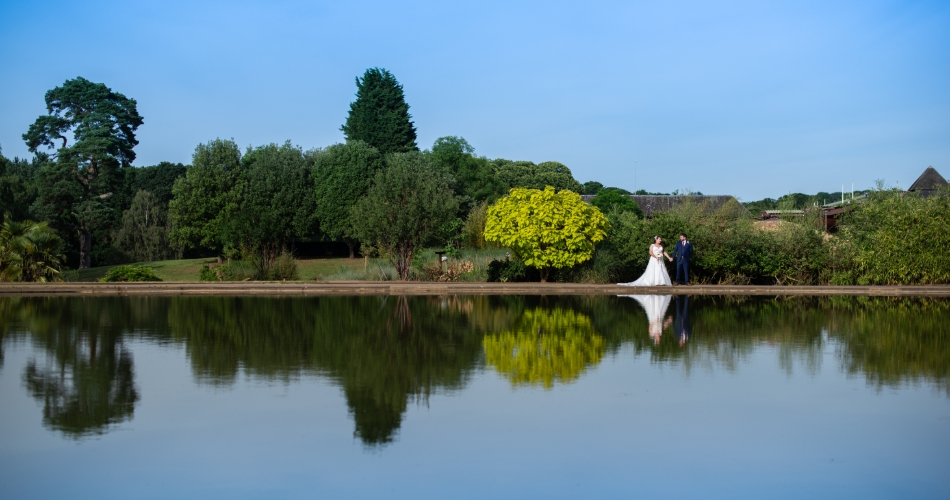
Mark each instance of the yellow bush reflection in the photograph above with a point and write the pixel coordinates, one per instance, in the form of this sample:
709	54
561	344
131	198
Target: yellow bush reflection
545	345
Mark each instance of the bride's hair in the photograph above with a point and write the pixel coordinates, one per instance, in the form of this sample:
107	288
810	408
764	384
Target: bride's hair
656	238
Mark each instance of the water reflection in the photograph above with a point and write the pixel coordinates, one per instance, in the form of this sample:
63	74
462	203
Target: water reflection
544	346
655	306
84	376
384	353
682	325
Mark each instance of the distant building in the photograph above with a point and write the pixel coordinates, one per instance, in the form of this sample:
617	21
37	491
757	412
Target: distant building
928	182
653	204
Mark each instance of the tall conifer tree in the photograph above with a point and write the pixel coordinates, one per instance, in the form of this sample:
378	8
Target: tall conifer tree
380	116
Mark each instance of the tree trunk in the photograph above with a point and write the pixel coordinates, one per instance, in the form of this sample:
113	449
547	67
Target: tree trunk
352	246
85	248
403	262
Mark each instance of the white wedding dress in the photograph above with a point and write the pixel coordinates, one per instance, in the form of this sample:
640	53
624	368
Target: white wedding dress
656	273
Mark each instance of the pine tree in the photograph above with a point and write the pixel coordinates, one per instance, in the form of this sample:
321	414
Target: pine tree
380	116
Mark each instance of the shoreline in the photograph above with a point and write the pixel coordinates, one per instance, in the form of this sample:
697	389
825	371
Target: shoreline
355	288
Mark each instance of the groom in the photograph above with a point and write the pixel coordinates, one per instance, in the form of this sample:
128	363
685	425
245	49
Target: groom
682	252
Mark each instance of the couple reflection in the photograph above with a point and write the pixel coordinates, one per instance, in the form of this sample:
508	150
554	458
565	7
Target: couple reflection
656	306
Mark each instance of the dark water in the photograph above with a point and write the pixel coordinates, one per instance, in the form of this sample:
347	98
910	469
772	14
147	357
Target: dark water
474	397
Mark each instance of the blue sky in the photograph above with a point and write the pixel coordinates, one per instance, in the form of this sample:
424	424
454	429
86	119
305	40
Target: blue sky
753	99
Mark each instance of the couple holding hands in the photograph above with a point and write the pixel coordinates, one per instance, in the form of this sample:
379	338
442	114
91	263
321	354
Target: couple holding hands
656	273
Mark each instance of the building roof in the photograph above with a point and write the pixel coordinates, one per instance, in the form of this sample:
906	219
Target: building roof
929	180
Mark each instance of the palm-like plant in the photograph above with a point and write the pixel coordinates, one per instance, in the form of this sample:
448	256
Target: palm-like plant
30	251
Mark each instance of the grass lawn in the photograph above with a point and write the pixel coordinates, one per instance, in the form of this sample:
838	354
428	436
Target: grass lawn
188	269
326	269
167	270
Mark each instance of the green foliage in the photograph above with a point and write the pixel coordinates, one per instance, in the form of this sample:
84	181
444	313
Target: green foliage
207	273
233	270
284	268
380	116
157	179
342	174
130	273
726	250
797	201
546	229
475	177
75	190
18	186
410	204
611	199
144	231
473	230
591	187
274	203
511	271
30	251
524	174
899	238
204	200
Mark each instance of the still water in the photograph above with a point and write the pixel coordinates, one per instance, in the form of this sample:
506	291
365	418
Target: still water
474	397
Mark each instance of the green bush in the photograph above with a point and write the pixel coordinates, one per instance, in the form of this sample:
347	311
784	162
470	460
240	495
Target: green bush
892	237
130	273
613	199
899	238
207	273
511	271
284	268
235	270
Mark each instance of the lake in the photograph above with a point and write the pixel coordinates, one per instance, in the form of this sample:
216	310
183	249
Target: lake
474	397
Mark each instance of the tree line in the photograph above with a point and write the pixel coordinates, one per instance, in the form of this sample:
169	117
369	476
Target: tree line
80	201
253	203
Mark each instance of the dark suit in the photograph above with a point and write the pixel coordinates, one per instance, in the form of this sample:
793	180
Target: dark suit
682	253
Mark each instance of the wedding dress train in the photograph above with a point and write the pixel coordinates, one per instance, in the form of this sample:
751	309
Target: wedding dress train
656	273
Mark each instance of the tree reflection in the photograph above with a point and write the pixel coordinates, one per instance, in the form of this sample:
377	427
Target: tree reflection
544	346
383	351
893	340
85	379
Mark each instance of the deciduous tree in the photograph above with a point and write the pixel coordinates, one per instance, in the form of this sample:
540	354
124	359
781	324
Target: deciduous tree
144	231
475	179
525	174
410	203
205	197
342	173
613	199
274	203
546	229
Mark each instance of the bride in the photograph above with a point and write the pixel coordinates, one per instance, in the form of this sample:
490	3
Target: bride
656	273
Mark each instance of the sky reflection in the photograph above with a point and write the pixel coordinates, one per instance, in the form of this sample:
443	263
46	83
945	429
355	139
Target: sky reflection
473	396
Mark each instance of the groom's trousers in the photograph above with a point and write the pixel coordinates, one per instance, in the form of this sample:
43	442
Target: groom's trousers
682	271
